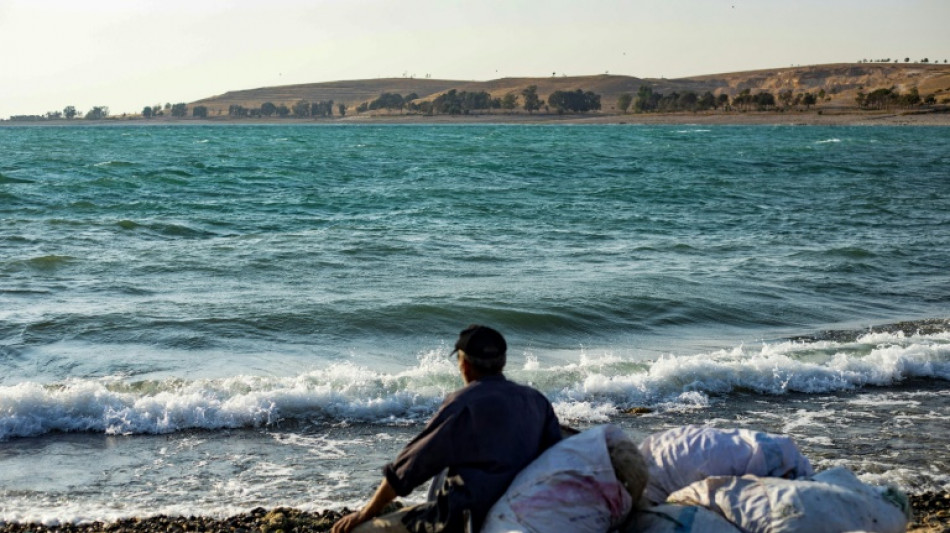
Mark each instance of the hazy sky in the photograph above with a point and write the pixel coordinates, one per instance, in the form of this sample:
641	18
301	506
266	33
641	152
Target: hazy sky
126	54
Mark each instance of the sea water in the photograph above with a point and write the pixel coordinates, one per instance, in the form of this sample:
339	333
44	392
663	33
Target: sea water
206	319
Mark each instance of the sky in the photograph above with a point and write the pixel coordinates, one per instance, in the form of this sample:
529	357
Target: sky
126	54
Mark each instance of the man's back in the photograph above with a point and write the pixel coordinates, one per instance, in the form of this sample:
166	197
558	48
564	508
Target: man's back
482	436
484	433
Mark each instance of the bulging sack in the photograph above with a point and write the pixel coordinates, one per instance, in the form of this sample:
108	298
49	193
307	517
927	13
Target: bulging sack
573	486
683	455
670	518
829	502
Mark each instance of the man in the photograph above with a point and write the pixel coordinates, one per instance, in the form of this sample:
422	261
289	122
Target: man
483	434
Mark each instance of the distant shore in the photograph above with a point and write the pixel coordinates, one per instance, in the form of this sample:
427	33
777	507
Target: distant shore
790	118
794	118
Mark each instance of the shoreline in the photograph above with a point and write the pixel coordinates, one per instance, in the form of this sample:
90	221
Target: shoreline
931	515
792	118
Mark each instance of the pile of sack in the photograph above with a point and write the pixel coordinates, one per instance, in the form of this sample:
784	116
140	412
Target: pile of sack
690	479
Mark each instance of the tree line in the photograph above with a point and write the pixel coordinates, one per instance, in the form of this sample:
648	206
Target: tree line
649	101
906	60
299	109
455	102
69	113
890	97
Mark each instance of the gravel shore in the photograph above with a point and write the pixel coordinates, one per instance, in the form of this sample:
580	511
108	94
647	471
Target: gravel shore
931	515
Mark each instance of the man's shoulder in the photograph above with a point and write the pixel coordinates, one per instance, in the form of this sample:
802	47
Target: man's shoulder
492	385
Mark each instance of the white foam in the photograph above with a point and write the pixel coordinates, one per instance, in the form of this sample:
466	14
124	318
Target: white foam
321	446
590	388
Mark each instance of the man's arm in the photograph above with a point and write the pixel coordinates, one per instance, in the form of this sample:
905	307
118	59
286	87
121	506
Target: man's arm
384	494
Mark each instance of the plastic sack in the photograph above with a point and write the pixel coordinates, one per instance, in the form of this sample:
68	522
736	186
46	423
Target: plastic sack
671	518
683	455
832	501
571	487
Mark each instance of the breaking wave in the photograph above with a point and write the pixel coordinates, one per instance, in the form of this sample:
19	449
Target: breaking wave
594	387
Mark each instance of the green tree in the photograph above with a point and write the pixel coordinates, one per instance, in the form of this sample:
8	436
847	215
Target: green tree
461	102
98	113
283	111
69	112
574	101
509	101
199	111
624	101
449	103
531	101
180	110
301	109
388	101
786	97
268	109
322	108
342	109
743	100
861	99
809	100
881	98
147	111
646	100
688	101
912	98
706	101
764	101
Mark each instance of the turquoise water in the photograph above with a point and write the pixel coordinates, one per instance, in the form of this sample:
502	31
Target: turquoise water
164	279
384	240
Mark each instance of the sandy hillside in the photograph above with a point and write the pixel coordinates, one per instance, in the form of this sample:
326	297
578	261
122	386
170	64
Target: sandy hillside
840	82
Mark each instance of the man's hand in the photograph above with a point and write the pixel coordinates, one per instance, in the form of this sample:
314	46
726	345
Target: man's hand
384	495
348	522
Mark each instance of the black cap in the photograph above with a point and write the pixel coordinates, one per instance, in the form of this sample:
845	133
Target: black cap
482	343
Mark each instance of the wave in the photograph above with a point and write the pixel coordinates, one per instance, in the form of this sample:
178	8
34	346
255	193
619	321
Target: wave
43	263
165	229
592	388
7	179
114	163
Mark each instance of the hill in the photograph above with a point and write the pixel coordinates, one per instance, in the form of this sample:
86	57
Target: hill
840	82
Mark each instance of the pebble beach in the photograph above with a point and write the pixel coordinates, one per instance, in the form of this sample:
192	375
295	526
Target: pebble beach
931	515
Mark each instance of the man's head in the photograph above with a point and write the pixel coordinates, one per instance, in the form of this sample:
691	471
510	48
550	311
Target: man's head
482	348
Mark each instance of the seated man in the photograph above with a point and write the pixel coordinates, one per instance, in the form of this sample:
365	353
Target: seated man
483	434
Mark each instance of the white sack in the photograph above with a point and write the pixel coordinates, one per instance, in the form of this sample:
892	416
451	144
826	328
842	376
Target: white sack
678	519
683	455
832	502
570	487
